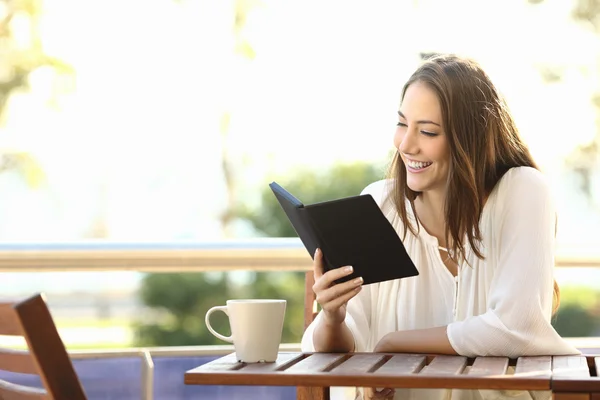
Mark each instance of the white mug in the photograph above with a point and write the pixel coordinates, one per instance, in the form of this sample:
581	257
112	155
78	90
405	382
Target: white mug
256	327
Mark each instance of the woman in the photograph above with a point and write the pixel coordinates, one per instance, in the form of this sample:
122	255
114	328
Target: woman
478	220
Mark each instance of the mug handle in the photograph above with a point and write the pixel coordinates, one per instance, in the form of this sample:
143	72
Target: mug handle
210	328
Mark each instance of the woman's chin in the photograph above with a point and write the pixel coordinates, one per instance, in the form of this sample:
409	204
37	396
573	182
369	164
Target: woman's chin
416	186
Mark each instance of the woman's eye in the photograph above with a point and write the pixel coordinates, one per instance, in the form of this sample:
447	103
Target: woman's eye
430	134
401	124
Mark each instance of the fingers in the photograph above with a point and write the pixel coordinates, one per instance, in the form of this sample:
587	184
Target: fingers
324	281
338	295
333	297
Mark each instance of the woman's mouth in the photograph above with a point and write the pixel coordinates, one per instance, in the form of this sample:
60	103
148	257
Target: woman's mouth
417	166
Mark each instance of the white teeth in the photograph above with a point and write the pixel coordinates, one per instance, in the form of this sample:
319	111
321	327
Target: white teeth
418	164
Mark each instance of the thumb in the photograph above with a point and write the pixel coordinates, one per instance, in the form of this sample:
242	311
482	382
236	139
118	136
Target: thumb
318	264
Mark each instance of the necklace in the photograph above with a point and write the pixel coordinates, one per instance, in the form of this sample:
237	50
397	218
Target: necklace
447	252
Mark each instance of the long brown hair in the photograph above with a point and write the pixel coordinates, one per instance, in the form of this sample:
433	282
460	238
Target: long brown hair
484	144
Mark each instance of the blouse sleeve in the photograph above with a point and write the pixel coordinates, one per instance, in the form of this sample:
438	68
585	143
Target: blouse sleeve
358	312
519	303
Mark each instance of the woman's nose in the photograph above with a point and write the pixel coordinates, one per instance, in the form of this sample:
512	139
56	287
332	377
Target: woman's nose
408	144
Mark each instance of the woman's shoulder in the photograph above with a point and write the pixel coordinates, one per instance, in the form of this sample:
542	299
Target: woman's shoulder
380	190
522	188
522	180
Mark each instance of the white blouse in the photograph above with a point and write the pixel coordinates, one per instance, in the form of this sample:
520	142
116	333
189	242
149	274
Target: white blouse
498	306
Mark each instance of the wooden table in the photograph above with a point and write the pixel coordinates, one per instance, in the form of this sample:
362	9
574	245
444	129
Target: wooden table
569	377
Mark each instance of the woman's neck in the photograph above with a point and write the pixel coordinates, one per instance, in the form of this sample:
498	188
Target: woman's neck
434	204
430	207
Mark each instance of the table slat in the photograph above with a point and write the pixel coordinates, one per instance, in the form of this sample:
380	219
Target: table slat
571	374
445	365
317	362
570	366
283	359
225	363
362	364
489	366
528	367
401	365
354	369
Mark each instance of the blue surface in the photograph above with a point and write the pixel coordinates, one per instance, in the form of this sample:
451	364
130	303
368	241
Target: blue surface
120	378
102	378
168	383
111	378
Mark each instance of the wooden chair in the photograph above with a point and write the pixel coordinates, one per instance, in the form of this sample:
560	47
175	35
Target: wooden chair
47	356
310	312
310	300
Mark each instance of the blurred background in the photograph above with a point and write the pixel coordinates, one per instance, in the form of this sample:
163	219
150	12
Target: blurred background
163	121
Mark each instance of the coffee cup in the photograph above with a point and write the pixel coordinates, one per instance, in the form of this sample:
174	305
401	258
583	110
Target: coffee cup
256	328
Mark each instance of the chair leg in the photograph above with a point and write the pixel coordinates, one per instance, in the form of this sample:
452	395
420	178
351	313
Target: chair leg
312	393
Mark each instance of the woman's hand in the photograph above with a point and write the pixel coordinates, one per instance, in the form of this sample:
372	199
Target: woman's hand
333	297
372	393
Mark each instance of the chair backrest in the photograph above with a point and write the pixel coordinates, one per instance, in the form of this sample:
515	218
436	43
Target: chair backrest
310	300
47	356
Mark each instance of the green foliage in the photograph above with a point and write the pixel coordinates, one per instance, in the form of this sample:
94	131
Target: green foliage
21	57
180	301
588	11
582	296
573	320
578	312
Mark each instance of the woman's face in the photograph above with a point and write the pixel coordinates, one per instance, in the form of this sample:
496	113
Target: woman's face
421	140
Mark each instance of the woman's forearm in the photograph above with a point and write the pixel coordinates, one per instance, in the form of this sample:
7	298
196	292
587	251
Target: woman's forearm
334	338
431	340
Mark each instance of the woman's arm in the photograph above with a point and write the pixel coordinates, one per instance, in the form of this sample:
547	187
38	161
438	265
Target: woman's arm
431	340
335	338
343	323
519	300
350	335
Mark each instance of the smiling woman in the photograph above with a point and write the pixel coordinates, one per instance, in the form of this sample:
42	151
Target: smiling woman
478	220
